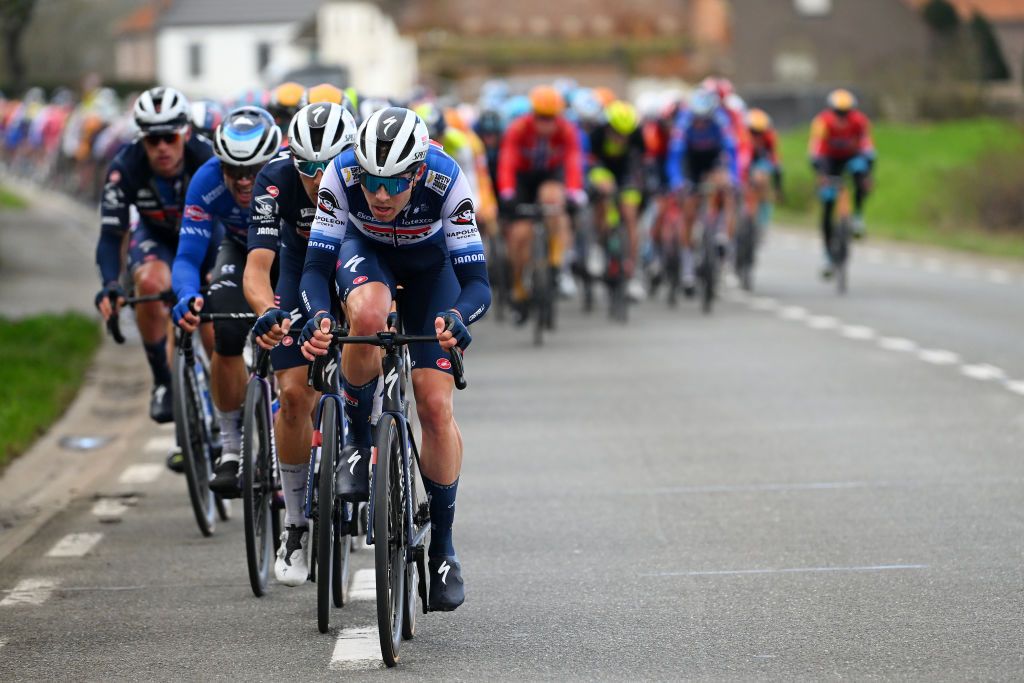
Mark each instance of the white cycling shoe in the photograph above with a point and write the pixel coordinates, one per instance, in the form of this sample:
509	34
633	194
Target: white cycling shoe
291	567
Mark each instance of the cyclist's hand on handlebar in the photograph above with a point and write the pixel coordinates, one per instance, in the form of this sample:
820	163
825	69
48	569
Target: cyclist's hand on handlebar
316	335
109	300
186	312
271	327
451	331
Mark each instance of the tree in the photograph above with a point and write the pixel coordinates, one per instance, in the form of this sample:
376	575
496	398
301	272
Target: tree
14	18
991	65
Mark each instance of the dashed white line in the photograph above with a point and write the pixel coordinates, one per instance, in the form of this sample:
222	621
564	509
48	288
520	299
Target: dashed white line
905	261
762	303
897	344
141	474
793	570
860	332
364	585
822	322
75	545
933	265
793	313
160	444
357	648
1016	386
938	356
875	257
965	272
3	641
108	508
983	372
30	592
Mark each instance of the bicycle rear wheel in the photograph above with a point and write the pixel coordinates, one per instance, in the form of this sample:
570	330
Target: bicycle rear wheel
191	429
257	487
708	270
342	549
841	253
330	429
389	537
746	243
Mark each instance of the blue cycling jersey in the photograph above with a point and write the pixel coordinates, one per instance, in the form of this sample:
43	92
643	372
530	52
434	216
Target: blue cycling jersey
440	214
692	136
282	212
207	203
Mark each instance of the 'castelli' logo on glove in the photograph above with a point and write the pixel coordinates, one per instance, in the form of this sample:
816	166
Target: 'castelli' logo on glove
444	364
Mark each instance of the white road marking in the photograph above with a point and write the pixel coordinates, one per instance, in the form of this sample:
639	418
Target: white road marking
897	344
965	272
983	371
793	313
822	322
75	545
938	356
999	276
141	474
30	592
762	303
357	648
3	641
166	427
933	265
364	585
875	257
858	332
905	261
1016	386
792	570
753	488
108	508
160	444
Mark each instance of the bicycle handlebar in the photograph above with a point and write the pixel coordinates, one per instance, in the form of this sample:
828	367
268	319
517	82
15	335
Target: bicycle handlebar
114	321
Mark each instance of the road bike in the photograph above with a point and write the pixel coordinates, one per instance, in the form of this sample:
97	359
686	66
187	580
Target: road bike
709	225
842	230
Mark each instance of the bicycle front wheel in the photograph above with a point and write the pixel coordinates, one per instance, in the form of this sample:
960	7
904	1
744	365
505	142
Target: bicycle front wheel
389	537
257	487
189	422
330	429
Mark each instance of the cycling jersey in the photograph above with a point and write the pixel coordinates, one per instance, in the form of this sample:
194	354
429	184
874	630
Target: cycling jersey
207	203
765	147
623	156
840	137
711	139
524	151
440	218
131	182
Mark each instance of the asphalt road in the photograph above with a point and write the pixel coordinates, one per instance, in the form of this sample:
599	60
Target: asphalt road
800	486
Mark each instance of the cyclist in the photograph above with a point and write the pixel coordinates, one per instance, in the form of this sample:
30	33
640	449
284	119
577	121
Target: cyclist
152	175
841	142
454	142
539	162
220	193
206	115
765	174
284	203
618	147
285	100
397	210
702	149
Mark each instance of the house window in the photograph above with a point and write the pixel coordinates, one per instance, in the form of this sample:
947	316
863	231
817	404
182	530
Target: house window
195	60
813	8
262	56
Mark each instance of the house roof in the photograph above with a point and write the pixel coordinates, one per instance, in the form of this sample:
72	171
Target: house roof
207	12
996	11
142	19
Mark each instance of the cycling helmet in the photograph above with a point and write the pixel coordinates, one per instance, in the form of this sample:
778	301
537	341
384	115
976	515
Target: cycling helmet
433	116
285	101
489	122
256	97
324	92
605	96
546	101
841	101
321	131
247	137
161	110
517	106
392	142
720	86
587	108
734	102
622	117
703	103
369	105
206	115
758	121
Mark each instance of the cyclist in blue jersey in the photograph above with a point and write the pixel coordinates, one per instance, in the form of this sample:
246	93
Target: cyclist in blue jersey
701	149
220	192
398	211
152	175
284	203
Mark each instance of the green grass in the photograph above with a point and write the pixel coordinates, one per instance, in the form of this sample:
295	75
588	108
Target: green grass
44	363
919	191
10	200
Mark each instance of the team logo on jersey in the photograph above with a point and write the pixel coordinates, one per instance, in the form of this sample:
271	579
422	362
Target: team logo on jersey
350	175
288	340
438	182
463	213
194	212
115	176
273	191
326	201
265	205
360	280
444	364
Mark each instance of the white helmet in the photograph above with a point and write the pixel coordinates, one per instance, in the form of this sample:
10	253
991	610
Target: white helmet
320	131
391	142
161	110
247	137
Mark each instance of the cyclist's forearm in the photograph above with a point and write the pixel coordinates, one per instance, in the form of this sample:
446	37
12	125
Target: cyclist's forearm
185	276
316	274
108	254
475	297
256	286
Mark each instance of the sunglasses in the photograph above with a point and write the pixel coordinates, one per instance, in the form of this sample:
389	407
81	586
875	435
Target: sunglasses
310	168
156	138
393	186
240	172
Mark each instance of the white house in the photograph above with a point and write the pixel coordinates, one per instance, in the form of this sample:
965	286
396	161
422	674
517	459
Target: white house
218	48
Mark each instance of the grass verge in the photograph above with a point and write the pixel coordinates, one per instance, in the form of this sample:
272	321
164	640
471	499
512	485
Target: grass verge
44	363
920	192
11	200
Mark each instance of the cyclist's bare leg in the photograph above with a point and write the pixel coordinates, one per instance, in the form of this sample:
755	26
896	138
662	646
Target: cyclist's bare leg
517	241
551	196
366	309
293	428
441	452
152	318
228	382
630	211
